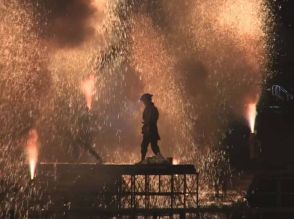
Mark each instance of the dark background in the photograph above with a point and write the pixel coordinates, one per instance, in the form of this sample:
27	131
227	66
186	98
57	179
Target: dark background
275	127
284	61
275	119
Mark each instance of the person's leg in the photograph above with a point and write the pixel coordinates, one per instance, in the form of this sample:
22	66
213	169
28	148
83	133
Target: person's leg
154	146
144	146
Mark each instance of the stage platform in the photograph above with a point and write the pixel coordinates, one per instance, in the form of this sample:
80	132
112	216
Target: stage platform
119	169
118	188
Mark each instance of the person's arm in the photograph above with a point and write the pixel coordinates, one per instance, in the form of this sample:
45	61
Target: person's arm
147	116
147	121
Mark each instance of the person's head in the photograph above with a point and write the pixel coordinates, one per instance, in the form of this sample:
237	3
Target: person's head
146	98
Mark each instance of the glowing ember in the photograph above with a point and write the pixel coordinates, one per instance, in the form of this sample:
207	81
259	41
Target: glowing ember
251	115
32	151
176	161
88	89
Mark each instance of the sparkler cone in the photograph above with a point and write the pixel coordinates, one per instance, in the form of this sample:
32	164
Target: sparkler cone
32	151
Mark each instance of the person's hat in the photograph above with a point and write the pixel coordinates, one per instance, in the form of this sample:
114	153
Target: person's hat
146	96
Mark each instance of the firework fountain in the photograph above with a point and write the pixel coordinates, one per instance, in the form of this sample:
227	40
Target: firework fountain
202	62
88	89
32	151
251	115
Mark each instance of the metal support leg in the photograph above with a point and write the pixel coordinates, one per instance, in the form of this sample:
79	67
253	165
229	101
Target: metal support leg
197	190
185	190
146	191
133	191
182	215
172	191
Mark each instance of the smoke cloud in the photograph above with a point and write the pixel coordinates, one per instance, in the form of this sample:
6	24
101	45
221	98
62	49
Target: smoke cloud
203	61
69	23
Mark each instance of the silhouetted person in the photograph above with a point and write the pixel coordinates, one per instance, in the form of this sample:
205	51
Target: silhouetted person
149	129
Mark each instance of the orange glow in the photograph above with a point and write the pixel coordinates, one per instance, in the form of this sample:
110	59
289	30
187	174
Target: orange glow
242	17
176	161
99	4
251	115
32	151
88	87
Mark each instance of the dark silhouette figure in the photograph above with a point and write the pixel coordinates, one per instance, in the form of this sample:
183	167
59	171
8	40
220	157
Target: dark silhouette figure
149	129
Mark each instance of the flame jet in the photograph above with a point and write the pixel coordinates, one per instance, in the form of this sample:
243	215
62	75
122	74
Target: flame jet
32	151
88	89
251	115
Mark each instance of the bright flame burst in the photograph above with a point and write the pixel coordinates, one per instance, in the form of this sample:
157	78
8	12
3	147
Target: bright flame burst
32	151
88	89
251	115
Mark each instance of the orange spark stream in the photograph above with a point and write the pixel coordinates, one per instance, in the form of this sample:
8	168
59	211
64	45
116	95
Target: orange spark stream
88	89
32	151
251	115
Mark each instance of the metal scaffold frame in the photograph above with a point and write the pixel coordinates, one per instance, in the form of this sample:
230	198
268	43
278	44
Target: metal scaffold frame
172	191
119	190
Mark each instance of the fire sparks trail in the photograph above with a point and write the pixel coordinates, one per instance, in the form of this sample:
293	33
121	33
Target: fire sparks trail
88	89
251	115
198	58
32	151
